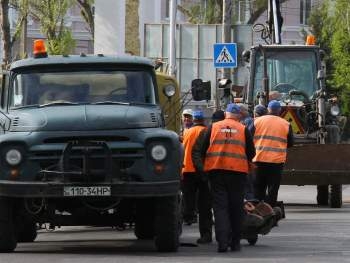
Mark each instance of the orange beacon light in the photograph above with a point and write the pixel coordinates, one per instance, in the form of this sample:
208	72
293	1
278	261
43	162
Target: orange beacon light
310	40
39	49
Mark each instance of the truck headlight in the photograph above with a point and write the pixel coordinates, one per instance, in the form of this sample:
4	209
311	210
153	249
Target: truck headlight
158	152
169	90
335	110
13	157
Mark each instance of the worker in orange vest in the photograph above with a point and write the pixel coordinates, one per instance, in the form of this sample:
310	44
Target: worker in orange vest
228	148
195	190
272	136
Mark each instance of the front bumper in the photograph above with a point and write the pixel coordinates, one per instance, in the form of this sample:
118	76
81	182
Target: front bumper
118	189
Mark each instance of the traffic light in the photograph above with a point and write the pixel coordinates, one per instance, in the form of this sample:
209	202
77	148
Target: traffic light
201	90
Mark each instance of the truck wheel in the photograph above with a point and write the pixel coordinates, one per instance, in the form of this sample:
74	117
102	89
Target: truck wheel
167	224
322	194
180	213
335	196
8	241
144	219
28	232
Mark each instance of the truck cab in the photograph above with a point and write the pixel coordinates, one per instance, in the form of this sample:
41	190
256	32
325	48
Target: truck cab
83	142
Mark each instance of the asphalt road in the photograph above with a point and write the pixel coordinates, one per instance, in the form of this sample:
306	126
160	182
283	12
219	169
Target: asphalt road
308	234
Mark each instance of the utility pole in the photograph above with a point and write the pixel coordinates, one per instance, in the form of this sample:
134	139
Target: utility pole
172	38
226	29
225	38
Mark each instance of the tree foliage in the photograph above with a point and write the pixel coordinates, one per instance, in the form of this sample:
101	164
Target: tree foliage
331	25
211	12
201	14
340	46
51	16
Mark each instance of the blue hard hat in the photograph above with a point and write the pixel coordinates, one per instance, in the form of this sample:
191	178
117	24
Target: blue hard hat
274	105
233	108
198	115
260	109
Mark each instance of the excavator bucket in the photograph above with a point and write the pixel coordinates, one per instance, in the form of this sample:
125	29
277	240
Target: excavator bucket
317	164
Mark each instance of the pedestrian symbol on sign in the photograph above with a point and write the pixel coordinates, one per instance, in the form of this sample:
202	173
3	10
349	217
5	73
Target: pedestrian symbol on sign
224	56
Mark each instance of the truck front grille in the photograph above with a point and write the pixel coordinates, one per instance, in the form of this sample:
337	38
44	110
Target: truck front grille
88	163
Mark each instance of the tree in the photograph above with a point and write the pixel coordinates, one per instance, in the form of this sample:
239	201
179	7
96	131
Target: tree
322	27
340	46
51	15
132	38
86	11
8	40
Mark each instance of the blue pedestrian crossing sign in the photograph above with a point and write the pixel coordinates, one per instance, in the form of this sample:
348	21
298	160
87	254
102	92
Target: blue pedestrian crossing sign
225	55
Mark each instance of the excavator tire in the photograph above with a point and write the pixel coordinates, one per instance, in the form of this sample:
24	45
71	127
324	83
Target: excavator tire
335	196
322	194
335	191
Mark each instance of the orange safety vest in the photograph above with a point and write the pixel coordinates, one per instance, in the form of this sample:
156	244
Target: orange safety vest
226	150
190	137
270	139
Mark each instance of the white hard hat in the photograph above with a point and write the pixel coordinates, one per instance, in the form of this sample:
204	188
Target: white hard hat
187	112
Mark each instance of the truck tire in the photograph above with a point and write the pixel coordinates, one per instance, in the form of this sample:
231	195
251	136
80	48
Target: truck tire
322	194
27	232
167	224
8	241
144	219
335	191
335	196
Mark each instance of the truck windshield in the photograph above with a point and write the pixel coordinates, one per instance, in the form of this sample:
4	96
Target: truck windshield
81	87
287	70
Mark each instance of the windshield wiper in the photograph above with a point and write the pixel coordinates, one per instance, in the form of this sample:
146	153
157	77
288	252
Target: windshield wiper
55	103
111	102
25	107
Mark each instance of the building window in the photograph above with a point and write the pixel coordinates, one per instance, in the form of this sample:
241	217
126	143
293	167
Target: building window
305	10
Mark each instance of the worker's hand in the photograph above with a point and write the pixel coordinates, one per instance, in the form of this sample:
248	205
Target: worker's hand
252	167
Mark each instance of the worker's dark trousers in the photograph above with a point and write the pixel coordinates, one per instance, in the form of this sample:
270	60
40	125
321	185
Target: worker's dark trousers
196	193
228	193
267	181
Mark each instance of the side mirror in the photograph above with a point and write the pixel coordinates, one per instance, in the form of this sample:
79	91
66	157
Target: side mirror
201	90
322	54
320	74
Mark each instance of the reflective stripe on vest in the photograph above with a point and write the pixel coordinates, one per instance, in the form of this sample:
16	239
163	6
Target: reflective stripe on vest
190	137
270	139
227	147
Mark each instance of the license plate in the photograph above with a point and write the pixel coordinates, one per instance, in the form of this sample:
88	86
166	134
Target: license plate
87	191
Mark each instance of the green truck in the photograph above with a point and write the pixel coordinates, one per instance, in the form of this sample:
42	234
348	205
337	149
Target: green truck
83	142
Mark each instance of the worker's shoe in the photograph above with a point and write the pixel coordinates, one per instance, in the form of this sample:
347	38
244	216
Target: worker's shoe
206	239
190	220
222	248
236	246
